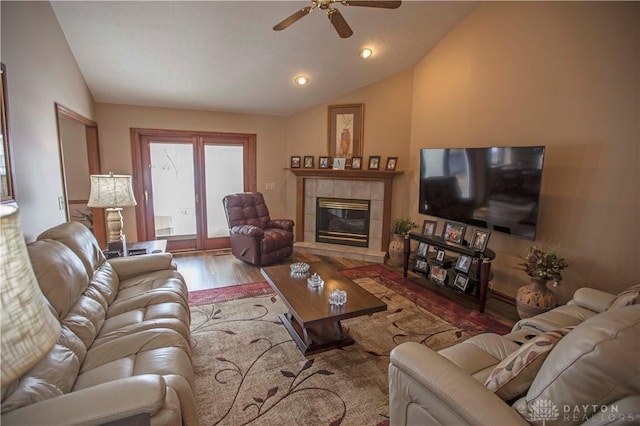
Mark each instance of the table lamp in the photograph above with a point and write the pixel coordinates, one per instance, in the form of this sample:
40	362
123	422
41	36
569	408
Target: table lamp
112	192
29	328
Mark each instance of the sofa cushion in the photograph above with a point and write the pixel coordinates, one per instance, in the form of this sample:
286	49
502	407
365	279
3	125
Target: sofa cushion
594	365
630	296
78	238
478	355
60	273
514	374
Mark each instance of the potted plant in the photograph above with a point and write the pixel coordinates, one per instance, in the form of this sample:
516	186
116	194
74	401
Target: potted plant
540	267
400	227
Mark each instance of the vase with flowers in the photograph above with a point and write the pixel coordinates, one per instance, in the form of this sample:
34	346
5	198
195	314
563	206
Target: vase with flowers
541	267
400	228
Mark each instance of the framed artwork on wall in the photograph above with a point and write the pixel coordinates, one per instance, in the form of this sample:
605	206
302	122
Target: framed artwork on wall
6	165
345	130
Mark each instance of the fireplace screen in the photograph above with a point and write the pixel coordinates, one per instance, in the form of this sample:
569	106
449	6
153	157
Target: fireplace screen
342	221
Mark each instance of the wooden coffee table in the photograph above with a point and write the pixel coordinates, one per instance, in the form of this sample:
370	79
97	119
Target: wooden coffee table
312	323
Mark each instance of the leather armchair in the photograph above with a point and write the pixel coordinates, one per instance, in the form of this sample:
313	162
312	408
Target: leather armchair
255	238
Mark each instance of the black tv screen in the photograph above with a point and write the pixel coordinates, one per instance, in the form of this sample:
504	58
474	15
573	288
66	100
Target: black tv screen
497	188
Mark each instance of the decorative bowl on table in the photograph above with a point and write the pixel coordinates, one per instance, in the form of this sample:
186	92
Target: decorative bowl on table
299	268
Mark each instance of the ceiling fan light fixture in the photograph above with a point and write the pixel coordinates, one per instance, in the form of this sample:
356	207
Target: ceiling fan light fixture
366	53
301	80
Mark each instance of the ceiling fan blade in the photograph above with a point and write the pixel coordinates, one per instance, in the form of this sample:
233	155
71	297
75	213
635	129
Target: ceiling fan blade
293	18
373	3
339	23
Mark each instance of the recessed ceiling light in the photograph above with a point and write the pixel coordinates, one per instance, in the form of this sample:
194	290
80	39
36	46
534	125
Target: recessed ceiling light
301	80
366	53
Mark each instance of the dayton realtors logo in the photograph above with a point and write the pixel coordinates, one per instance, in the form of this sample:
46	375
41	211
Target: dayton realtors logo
544	410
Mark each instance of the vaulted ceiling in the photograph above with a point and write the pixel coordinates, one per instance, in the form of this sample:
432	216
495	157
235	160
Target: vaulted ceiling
224	55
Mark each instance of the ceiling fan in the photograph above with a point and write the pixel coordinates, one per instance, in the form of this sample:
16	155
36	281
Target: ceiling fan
334	15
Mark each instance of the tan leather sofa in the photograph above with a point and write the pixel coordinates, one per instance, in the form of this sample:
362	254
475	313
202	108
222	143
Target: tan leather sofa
124	349
577	364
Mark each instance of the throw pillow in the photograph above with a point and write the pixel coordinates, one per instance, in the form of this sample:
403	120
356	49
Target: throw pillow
628	297
514	374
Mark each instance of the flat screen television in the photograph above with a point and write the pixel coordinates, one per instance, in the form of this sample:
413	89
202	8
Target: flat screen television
496	188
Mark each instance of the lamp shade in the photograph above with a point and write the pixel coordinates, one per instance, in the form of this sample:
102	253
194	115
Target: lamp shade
29	329
111	191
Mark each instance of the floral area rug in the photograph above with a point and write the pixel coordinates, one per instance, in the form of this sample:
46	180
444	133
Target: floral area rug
249	371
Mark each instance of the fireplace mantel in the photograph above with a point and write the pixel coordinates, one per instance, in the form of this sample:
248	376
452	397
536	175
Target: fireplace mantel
346	174
386	177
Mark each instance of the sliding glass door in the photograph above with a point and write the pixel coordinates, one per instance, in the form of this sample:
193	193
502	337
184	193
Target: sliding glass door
183	180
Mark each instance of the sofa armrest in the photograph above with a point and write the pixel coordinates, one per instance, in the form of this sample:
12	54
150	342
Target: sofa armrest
131	266
592	299
426	388
286	224
96	405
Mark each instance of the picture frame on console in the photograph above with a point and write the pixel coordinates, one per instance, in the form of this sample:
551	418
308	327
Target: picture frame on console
440	255
480	239
392	162
323	162
339	163
309	162
374	162
429	227
463	264
295	162
421	265
438	273
454	232
345	130
423	249
356	163
461	282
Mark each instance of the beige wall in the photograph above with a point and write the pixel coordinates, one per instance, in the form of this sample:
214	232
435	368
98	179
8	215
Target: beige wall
561	74
387	127
564	75
115	122
40	71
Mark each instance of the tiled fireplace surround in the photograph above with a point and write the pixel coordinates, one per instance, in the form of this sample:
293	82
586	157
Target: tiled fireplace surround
363	185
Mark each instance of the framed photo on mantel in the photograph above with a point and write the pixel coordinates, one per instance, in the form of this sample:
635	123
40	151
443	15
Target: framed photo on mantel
345	131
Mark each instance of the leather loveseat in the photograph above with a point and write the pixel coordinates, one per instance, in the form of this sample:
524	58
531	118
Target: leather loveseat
124	348
576	364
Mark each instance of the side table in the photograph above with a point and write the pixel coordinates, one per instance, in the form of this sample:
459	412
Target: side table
140	247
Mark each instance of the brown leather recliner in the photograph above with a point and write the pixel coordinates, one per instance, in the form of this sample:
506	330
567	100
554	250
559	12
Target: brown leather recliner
255	238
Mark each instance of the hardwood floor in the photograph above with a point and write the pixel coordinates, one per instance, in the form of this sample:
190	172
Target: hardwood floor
218	268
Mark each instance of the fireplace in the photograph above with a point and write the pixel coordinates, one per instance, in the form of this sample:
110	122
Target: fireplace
372	186
342	221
